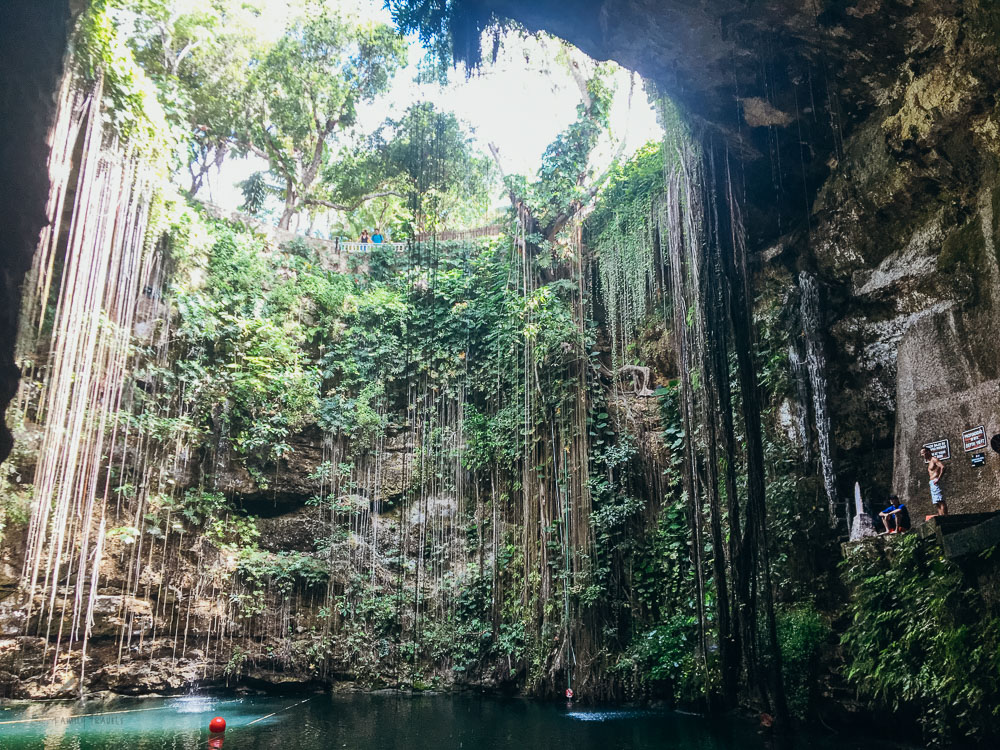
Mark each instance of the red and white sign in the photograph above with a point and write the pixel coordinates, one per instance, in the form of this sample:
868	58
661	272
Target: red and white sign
974	439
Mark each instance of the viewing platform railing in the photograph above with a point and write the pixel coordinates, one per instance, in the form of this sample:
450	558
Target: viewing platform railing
367	247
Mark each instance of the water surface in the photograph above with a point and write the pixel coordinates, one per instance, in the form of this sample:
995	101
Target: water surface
372	722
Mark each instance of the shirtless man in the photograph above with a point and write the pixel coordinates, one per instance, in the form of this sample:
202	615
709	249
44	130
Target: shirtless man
934	471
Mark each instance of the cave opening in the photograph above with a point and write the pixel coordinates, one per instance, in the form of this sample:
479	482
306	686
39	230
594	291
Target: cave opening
495	345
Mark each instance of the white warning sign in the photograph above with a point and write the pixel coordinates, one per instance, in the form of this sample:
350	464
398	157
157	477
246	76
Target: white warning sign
940	449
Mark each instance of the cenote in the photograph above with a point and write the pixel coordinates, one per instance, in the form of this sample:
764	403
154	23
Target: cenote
627	352
384	721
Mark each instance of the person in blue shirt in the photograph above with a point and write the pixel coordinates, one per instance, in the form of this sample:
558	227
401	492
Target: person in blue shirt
896	517
377	237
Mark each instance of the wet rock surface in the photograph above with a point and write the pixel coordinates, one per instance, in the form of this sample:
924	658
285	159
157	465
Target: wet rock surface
282	485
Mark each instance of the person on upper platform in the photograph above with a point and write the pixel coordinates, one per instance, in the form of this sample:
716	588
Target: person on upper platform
934	471
364	239
896	517
377	238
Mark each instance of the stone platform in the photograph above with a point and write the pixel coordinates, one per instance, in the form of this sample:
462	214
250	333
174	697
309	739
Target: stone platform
963	534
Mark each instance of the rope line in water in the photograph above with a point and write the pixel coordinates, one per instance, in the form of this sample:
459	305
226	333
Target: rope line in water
80	716
133	711
276	712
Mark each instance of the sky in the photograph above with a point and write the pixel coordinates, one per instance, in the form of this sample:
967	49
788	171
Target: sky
519	104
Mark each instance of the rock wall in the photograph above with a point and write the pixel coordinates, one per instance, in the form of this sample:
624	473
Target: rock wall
33	36
948	382
868	135
903	239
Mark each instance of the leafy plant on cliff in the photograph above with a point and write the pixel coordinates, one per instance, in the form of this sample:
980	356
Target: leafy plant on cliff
804	637
920	641
666	657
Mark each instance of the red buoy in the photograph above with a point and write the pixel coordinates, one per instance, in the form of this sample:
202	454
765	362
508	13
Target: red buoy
217	725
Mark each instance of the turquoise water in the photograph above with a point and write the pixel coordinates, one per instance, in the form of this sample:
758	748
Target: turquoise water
369	721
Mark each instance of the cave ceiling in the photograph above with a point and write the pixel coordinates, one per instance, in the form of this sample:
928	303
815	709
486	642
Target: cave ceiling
781	83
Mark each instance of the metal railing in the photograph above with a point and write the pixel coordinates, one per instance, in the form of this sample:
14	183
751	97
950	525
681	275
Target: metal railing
367	247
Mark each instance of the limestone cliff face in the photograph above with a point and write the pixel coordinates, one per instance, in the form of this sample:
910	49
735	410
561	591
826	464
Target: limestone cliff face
948	381
903	236
283	485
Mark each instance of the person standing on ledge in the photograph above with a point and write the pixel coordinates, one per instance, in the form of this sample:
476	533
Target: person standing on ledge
934	471
364	239
377	237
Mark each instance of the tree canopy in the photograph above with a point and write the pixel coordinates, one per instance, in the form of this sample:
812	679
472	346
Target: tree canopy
426	158
198	55
307	88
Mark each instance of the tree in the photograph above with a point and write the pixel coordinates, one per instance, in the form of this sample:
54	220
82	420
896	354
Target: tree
306	88
215	82
198	53
425	157
566	183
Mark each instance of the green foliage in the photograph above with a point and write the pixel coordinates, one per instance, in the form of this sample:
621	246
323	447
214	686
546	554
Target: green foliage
218	521
621	231
307	87
431	21
566	158
673	430
255	189
236	662
563	184
198	55
626	200
548	323
920	640
271	342
666	655
611	517
15	493
492	440
466	639
662	578
773	320
245	367
425	157
15	501
262	572
101	50
199	507
805	639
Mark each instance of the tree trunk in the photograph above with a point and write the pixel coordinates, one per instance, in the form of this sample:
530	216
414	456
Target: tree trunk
197	179
307	178
291	199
